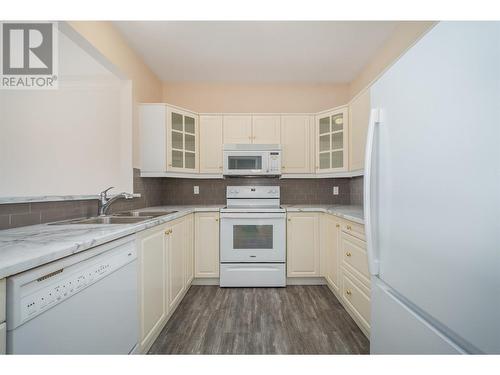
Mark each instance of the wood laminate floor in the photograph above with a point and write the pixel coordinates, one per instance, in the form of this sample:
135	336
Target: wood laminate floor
291	320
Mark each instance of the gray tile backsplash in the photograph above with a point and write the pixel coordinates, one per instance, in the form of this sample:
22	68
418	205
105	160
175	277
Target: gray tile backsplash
357	190
293	191
22	214
172	191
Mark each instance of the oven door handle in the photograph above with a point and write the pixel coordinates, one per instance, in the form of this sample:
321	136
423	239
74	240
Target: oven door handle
253	215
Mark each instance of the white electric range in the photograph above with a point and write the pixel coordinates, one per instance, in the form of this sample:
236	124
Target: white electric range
253	238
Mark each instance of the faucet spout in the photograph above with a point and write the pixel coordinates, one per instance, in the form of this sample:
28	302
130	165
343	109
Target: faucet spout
105	202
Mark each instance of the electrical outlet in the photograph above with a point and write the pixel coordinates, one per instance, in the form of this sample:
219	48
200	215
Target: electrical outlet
196	190
335	190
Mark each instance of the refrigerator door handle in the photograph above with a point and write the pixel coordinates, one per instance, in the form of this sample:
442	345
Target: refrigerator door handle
373	256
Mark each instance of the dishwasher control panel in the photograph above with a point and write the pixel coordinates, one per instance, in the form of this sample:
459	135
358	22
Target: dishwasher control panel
33	296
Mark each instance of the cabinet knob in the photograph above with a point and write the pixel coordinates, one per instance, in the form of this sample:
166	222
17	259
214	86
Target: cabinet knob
348	292
348	254
216	219
348	227
337	225
289	219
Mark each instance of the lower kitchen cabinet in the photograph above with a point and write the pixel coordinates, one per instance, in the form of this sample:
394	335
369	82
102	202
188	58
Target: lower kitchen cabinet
206	242
355	274
303	245
3	326
189	251
330	249
166	270
3	335
177	258
152	284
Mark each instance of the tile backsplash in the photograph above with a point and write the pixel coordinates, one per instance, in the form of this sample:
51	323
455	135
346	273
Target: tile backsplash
357	190
293	191
172	191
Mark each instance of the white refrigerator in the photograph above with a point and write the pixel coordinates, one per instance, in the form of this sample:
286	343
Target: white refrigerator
432	195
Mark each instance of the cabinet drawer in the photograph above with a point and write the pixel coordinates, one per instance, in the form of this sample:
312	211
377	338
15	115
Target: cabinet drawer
354	229
3	335
357	298
354	256
2	300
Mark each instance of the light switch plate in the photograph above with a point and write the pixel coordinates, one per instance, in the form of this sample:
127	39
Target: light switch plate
335	190
196	190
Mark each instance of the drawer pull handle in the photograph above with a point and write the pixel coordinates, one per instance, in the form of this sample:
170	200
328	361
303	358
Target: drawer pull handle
348	292
348	254
349	227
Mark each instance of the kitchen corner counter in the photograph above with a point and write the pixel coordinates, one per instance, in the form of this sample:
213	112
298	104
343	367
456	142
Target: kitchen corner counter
348	212
28	247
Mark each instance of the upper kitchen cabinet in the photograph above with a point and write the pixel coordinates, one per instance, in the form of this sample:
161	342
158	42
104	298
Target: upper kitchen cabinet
332	141
359	113
296	138
182	141
237	129
258	129
211	144
266	129
169	139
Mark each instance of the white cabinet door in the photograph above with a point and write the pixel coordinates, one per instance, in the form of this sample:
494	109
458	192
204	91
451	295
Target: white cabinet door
237	129
182	141
332	141
211	144
189	250
303	249
266	129
330	246
296	144
153	137
206	244
359	113
175	262
152	284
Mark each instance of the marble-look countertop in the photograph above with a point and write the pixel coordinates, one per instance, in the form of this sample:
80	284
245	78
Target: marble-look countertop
28	247
348	212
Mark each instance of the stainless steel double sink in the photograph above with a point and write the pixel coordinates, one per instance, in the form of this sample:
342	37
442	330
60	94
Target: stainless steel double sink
126	217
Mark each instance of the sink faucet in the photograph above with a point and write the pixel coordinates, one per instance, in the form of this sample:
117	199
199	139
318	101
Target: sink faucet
105	202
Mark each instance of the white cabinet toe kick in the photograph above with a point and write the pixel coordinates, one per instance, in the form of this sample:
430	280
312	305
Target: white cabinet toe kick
252	275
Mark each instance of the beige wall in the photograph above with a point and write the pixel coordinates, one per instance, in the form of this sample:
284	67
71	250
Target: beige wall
403	37
265	98
146	87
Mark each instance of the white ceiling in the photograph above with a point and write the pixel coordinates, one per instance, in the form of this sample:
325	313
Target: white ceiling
256	51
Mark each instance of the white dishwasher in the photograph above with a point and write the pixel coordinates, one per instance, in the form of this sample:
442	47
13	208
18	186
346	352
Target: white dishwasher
82	304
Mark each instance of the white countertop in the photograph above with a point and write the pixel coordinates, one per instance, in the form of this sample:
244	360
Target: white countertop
28	247
348	212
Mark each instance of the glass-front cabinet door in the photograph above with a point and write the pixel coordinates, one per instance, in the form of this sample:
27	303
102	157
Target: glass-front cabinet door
332	141
182	141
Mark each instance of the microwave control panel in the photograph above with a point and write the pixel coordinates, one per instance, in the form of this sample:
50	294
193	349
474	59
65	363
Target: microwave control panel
274	162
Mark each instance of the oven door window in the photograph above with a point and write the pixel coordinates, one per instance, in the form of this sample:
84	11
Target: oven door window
252	237
244	162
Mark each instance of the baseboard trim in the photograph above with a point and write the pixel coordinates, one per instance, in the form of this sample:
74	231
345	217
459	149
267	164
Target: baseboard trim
305	281
205	281
289	281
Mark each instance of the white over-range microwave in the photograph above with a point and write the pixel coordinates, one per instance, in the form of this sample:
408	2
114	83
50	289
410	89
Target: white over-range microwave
252	159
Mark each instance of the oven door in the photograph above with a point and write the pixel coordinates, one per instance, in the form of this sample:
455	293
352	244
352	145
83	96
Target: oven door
253	237
246	163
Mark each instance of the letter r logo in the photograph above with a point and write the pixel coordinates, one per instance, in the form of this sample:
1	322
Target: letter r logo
27	48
